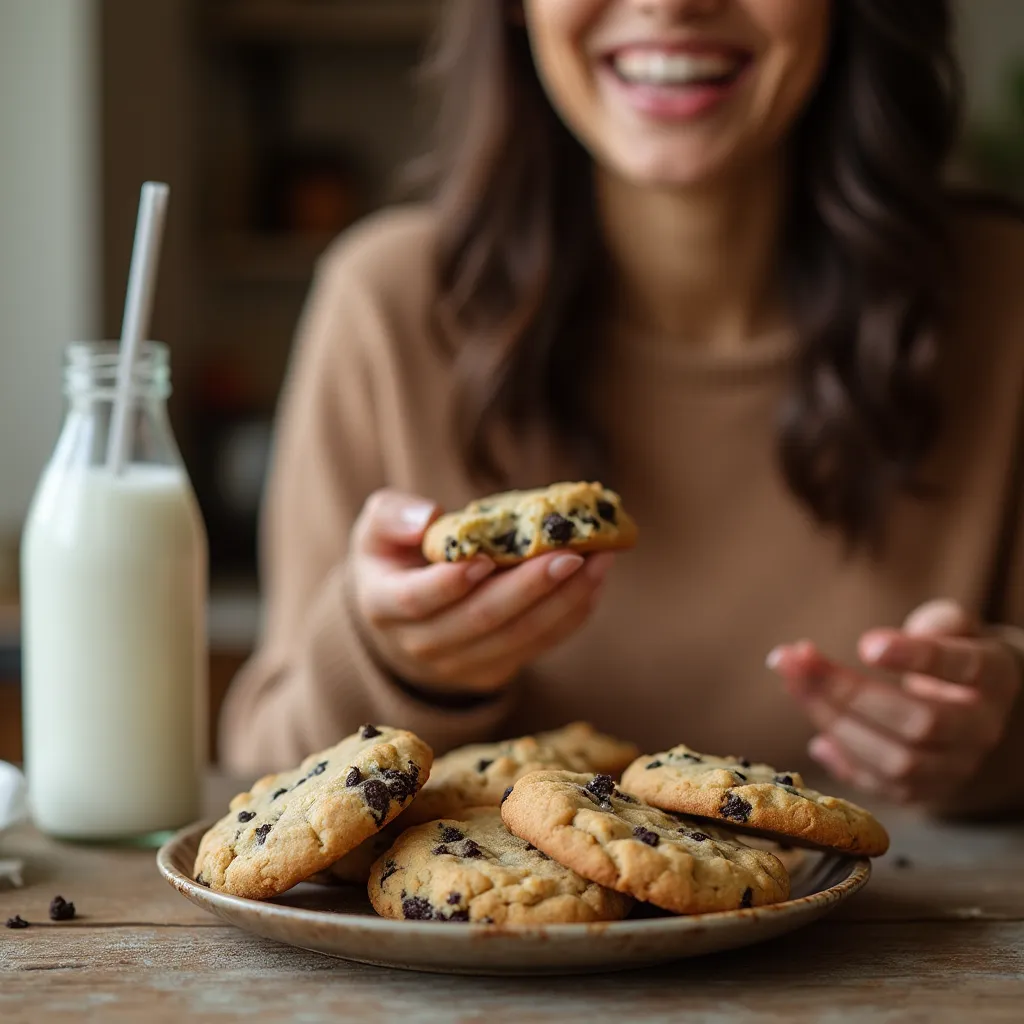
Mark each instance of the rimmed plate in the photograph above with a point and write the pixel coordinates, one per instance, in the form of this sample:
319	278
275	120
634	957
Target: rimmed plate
339	922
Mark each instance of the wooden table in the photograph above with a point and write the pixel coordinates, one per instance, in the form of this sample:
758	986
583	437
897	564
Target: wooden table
939	937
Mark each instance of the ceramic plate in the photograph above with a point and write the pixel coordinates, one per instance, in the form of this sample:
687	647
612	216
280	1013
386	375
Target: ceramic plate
339	922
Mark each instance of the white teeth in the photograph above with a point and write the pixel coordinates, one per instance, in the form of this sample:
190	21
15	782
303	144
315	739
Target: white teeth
653	67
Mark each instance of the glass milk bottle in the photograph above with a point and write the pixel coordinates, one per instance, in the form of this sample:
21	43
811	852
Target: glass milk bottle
114	571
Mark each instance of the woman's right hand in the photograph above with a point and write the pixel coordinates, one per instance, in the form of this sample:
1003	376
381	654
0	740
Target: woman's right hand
453	627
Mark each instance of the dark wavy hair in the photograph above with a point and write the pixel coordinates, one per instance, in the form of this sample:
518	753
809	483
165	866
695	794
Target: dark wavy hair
865	252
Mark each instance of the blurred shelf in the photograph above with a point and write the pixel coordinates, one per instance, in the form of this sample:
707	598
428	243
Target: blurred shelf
325	21
263	259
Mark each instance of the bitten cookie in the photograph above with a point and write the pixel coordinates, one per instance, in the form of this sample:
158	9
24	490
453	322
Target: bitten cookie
610	837
517	525
754	797
293	824
472	869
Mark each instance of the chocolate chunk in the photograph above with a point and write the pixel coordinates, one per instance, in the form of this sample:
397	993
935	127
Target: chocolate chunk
740	776
697	837
318	770
261	834
61	910
457	915
748	899
508	542
626	798
401	785
583	516
244	816
378	799
744	763
784	780
17	922
558	529
483	764
440	851
278	792
540	853
201	881
454	897
653	764
354	777
694	758
301	782
507	794
645	835
606	510
471	850
735	808
416	908
369	731
601	786
451	549
451	835
390	867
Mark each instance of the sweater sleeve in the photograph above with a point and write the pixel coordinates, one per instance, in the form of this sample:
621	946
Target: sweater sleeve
313	679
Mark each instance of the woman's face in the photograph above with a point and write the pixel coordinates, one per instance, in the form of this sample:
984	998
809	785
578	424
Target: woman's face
674	93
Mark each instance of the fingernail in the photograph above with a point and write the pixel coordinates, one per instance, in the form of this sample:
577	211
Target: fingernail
774	659
416	517
479	569
874	647
820	749
564	566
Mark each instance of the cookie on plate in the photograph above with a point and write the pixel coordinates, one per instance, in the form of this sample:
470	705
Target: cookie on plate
478	775
584	822
593	751
755	798
471	868
293	824
517	525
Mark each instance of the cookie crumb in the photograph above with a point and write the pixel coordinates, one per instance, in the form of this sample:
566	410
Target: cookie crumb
61	910
367	732
17	922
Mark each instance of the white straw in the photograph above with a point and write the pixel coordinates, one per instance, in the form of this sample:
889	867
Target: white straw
138	308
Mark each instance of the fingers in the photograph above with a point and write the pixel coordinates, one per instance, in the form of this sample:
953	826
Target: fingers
394	593
940	618
831	692
550	620
496	603
391	519
974	665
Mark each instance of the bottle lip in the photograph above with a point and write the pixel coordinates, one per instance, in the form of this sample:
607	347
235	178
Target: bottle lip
90	368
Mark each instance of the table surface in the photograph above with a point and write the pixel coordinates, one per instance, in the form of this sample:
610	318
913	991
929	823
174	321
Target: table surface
937	936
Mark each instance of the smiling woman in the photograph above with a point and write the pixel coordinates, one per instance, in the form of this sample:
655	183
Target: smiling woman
701	250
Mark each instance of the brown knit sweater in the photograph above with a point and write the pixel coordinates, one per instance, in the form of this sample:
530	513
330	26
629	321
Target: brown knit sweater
729	564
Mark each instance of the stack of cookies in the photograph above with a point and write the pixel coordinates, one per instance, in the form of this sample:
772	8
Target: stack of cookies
534	830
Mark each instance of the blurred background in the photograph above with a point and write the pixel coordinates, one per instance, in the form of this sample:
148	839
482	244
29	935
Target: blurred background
277	123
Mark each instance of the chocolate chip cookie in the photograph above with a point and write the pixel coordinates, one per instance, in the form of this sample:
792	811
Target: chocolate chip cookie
293	824
471	868
586	749
584	822
756	798
517	525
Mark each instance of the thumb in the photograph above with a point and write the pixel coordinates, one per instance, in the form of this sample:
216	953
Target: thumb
940	618
391	519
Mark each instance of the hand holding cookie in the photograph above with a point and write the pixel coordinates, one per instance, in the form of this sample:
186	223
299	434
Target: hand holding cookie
445	626
921	740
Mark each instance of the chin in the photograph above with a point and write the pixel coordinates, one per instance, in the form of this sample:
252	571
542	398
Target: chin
660	169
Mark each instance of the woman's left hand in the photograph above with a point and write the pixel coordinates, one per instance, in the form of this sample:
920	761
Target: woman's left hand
921	739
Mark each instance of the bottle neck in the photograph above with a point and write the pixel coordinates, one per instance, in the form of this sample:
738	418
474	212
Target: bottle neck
91	388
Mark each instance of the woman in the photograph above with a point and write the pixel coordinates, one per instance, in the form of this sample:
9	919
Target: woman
702	250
